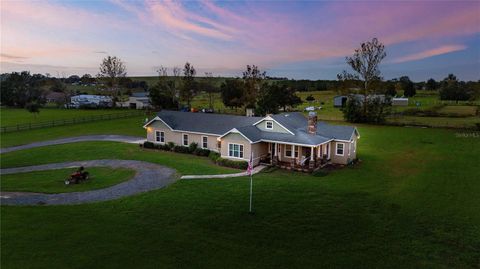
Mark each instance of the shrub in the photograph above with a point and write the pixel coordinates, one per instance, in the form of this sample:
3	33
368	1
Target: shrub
192	147
148	145
163	147
232	164
213	156
181	149
478	125
201	152
171	145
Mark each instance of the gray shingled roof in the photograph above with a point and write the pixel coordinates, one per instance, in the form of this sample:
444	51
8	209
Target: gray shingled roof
204	122
220	124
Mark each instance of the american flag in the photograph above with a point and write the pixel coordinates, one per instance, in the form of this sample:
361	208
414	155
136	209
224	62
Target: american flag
250	165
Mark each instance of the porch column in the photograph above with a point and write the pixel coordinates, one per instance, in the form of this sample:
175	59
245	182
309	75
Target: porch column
293	153
311	153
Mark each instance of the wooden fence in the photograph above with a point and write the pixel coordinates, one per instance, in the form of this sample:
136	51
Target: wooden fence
61	122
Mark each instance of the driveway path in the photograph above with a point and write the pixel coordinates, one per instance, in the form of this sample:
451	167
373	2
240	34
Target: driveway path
115	138
149	176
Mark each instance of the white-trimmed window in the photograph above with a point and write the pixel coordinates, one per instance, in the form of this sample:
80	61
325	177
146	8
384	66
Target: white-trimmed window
185	140
339	150
235	150
288	151
204	142
160	136
269	124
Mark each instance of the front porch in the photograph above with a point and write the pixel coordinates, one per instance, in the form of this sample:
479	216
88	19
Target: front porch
297	157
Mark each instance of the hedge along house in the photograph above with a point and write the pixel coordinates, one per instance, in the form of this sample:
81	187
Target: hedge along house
288	140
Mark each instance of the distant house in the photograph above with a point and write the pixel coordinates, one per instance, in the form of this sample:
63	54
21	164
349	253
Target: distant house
138	100
87	100
288	140
399	101
341	100
55	97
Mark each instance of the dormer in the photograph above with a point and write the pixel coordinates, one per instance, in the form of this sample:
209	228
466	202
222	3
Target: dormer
269	124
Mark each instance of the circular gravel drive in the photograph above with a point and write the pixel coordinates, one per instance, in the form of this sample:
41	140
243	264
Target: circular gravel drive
114	138
148	177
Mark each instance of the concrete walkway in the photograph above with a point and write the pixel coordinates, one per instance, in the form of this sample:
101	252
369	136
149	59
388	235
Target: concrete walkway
242	174
149	177
115	138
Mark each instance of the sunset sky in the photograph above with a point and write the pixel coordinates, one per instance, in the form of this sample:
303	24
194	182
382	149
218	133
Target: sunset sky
308	40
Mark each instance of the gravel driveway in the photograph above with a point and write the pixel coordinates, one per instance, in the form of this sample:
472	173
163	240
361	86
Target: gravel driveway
115	138
148	177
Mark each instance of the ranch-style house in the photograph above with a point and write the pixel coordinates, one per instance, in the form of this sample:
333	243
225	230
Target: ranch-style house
289	140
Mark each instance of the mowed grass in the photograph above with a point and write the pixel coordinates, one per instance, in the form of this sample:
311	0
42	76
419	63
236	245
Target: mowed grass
183	163
412	202
127	126
52	181
14	116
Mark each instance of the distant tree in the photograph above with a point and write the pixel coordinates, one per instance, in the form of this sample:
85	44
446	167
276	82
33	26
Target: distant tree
72	79
377	110
233	93
18	89
163	94
452	89
189	89
252	77
58	86
87	79
111	70
431	85
33	107
209	88
275	96
310	98
390	89
408	86
365	63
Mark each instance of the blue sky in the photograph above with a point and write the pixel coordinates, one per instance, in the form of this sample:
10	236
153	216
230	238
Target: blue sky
294	39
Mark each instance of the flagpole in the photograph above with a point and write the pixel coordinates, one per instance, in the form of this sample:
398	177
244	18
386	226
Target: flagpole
251	191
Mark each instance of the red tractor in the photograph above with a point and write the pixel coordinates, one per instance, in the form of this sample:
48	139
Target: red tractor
77	177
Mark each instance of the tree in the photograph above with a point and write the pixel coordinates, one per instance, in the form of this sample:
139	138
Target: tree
18	89
87	79
431	85
376	109
189	89
33	107
233	93
72	79
275	96
365	63
209	88
452	89
408	86
391	91
111	70
253	78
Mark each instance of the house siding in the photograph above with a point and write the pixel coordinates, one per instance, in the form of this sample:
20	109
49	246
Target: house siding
237	139
348	153
276	127
177	137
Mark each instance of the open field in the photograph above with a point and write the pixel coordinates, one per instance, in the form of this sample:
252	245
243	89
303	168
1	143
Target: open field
127	126
13	116
51	181
412	202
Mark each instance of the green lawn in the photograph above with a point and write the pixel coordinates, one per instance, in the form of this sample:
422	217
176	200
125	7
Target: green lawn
411	203
13	116
52	181
126	126
184	163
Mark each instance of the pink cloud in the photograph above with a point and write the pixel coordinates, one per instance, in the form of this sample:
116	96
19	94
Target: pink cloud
429	53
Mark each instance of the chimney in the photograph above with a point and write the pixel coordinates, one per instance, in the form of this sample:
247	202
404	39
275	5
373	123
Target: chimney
312	123
250	112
